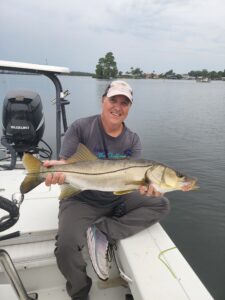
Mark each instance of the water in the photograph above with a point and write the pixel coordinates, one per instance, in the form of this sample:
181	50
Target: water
181	123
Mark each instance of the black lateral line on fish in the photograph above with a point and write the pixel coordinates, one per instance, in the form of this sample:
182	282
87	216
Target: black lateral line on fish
76	172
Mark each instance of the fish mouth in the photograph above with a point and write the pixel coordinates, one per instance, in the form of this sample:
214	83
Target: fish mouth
190	185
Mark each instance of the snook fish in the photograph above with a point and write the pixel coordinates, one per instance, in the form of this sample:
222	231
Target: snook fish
84	171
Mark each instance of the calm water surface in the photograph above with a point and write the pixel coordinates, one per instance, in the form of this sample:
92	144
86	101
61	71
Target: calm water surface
181	123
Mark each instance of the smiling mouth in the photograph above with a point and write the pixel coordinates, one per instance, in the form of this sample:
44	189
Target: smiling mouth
116	114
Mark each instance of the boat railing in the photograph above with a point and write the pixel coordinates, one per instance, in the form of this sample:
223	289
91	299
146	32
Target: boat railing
14	278
12	207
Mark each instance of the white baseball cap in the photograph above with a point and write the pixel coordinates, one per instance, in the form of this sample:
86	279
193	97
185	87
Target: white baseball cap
119	87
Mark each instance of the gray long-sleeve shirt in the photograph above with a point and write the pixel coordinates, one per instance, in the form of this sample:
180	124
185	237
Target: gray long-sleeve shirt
89	132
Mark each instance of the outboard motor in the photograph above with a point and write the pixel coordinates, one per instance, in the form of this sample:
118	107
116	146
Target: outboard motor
23	122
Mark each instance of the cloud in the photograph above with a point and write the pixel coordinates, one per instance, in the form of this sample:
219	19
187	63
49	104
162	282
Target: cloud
150	34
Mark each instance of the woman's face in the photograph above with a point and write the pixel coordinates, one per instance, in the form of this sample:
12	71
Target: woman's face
115	109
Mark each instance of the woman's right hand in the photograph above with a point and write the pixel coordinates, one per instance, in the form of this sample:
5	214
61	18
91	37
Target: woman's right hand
57	177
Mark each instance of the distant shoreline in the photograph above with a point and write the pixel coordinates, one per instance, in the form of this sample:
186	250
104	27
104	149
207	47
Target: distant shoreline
88	74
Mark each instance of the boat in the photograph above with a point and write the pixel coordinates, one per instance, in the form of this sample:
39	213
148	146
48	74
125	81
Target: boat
203	79
145	266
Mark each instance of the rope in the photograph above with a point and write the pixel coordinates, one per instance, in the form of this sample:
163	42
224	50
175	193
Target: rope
165	263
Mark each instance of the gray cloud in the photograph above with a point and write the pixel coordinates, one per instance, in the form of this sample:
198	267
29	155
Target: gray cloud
160	35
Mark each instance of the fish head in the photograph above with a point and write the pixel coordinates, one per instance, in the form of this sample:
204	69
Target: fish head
166	179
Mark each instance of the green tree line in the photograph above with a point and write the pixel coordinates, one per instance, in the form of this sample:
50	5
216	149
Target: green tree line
210	74
106	68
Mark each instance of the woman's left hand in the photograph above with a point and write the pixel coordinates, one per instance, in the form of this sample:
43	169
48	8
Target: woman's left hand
149	191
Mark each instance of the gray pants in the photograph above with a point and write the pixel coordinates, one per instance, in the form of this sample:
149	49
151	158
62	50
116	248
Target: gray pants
74	219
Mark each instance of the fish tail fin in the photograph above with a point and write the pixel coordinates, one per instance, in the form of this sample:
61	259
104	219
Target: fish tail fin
33	179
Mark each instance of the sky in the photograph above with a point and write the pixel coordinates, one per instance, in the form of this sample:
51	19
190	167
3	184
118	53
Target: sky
153	35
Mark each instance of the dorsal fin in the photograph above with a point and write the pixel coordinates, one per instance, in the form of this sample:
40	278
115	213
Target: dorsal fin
82	154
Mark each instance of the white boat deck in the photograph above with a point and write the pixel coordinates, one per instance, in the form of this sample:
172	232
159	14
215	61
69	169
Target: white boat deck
156	272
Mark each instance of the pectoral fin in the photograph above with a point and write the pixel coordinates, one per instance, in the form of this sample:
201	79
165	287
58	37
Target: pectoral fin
68	191
138	183
123	192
